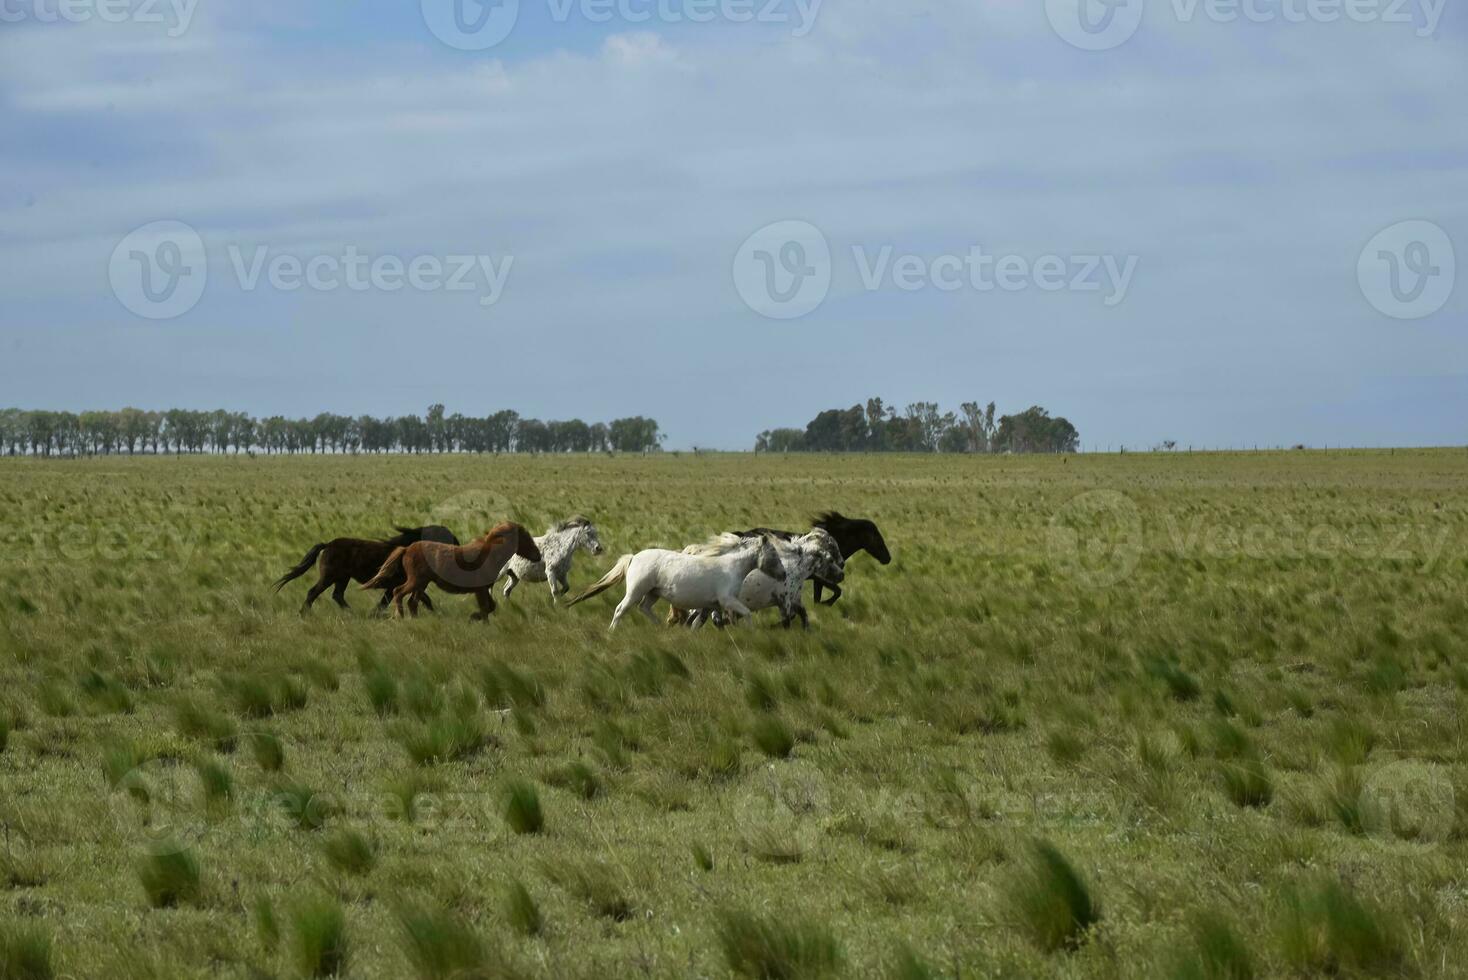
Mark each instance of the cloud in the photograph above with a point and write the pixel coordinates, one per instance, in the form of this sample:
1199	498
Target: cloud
1245	165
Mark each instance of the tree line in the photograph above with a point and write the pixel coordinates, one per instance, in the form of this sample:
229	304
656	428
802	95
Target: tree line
923	428
177	430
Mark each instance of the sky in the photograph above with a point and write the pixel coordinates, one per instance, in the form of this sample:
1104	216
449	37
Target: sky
1224	224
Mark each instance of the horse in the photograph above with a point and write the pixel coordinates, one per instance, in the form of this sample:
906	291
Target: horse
810	555
851	534
687	581
345	559
559	545
469	569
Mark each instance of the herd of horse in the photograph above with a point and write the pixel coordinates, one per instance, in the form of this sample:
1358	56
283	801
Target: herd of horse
725	579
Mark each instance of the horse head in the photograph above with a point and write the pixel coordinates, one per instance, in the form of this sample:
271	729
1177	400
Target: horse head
586	535
854	534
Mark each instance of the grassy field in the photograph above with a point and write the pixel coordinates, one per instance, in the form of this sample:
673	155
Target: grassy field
1157	716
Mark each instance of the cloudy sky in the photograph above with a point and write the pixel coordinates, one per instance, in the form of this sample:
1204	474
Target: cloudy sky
1188	234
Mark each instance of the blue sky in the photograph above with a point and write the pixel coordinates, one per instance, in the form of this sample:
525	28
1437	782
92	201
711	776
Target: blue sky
620	165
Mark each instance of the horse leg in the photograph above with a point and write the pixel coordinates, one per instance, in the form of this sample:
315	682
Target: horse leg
397	598
427	602
731	604
315	593
339	593
386	598
627	602
646	605
413	599
835	592
558	579
514	580
486	604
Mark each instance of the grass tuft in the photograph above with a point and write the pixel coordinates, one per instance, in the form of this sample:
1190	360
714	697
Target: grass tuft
170	876
268	752
522	808
319	937
1218	954
350	851
440	946
1326	929
772	736
1051	902
26	953
595	883
777	947
521	910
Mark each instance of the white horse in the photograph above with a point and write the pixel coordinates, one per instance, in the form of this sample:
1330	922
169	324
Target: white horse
688	581
557	547
813	554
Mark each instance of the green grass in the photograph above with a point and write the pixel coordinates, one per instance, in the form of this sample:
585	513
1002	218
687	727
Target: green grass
319	937
777	947
1248	749
1050	901
170	876
26	952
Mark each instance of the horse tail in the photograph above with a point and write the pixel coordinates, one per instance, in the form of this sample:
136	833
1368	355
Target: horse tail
389	569
617	574
302	568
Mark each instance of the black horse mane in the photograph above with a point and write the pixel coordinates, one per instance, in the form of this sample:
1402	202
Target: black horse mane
408	535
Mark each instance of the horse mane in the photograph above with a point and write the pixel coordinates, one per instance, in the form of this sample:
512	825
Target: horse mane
575	520
720	544
826	518
405	536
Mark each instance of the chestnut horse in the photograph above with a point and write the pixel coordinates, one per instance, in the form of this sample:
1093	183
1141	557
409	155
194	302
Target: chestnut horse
345	559
469	569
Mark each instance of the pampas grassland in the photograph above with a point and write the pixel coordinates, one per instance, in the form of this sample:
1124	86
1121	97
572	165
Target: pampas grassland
1138	716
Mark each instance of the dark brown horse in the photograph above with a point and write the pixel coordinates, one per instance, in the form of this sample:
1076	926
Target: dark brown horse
345	559
470	569
851	534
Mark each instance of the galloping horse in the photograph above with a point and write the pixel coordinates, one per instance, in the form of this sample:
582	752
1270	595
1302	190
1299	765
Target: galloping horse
852	535
809	556
559	545
687	581
345	559
469	569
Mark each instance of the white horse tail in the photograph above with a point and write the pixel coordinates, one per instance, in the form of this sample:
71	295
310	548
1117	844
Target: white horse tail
617	574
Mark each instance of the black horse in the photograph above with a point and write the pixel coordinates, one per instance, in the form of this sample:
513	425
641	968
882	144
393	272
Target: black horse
354	558
851	534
